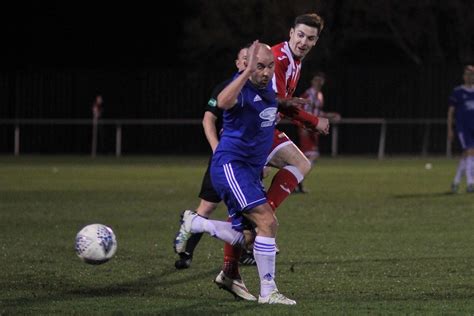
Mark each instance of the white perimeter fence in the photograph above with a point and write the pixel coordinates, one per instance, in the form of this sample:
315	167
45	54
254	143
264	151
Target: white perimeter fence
118	123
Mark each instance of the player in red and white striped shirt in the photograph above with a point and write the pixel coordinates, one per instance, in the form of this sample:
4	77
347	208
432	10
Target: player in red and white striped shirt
286	156
292	164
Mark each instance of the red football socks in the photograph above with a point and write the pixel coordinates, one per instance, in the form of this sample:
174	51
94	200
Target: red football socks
231	260
283	184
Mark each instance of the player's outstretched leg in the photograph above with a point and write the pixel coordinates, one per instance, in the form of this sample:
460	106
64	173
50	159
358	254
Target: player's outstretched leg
192	223
207	205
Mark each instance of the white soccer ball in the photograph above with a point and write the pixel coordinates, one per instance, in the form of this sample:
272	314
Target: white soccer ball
96	244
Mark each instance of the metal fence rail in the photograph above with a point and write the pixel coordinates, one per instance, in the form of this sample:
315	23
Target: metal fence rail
118	123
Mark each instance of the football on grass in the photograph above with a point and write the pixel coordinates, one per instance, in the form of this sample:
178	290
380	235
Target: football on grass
95	244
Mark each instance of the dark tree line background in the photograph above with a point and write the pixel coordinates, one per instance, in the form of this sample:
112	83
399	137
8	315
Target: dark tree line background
384	58
206	33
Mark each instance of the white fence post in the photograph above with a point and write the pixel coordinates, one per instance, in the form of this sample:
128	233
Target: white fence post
185	122
17	140
383	134
94	137
426	140
118	140
334	139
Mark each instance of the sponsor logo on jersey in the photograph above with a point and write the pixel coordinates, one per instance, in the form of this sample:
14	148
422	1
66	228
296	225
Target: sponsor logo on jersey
212	102
268	115
281	57
469	105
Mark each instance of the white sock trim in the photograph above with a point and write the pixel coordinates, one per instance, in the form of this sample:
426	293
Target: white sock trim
296	172
470	170
277	148
460	171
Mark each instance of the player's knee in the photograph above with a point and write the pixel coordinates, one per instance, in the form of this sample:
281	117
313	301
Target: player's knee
304	166
273	224
268	225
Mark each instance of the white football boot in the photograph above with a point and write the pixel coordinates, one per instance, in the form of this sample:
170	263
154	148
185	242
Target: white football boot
184	231
234	286
276	297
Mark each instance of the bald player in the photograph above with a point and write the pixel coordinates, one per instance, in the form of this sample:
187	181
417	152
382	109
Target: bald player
249	122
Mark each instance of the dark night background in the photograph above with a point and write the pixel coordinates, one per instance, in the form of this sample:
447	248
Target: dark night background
391	59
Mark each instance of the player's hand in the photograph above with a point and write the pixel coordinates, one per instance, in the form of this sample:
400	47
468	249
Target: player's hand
297	101
291	106
252	57
323	126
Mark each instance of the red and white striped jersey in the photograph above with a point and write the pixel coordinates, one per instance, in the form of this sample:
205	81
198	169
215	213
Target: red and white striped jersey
287	71
316	101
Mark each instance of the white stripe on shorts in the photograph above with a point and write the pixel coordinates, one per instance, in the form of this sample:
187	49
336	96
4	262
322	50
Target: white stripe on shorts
229	174
461	140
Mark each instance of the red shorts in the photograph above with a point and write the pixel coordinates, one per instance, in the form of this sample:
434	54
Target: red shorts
308	142
279	140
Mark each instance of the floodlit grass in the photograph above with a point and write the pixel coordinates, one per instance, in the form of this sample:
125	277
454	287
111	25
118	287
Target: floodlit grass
370	237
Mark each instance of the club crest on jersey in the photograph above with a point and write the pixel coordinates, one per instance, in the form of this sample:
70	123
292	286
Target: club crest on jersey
268	116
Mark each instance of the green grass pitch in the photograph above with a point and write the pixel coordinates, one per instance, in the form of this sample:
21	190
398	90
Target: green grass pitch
371	237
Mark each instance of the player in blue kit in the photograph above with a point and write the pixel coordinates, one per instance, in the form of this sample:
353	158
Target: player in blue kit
461	105
249	122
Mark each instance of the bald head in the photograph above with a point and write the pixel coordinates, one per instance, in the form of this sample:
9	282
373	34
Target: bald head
265	66
264	51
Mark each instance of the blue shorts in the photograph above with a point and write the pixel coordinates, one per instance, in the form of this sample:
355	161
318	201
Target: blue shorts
466	137
239	186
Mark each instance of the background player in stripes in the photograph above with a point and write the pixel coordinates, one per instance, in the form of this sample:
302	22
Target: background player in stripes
309	142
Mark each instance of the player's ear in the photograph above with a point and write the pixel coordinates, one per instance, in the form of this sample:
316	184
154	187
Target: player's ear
292	30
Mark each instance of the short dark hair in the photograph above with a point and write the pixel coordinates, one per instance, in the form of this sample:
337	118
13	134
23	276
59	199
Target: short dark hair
320	74
246	46
310	19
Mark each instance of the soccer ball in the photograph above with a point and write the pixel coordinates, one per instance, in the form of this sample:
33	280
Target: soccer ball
95	244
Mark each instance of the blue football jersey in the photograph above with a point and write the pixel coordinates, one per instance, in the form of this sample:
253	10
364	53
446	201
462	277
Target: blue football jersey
248	127
462	99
